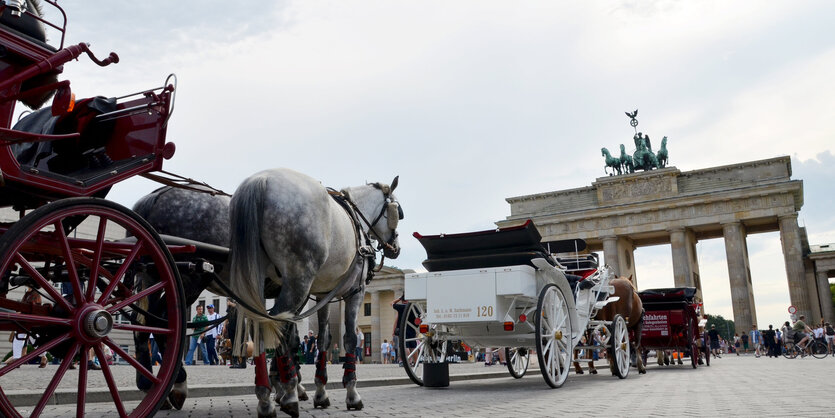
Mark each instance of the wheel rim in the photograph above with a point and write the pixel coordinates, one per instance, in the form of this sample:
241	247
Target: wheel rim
100	271
417	348
819	349
621	347
553	336
518	360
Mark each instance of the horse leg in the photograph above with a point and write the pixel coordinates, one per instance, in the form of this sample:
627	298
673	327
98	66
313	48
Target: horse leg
262	389
320	399
349	377
179	392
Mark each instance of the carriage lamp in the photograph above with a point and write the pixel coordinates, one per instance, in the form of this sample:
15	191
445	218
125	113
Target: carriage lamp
424	328
523	318
508	326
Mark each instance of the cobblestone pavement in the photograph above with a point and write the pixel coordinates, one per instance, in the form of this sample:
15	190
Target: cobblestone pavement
732	386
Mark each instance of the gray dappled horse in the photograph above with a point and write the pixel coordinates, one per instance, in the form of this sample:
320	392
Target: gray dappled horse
311	241
192	215
198	216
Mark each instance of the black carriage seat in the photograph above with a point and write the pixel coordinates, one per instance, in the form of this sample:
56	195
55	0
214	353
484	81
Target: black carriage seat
578	262
510	246
26	27
79	157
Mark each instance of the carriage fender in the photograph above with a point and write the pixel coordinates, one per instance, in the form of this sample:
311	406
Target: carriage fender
553	275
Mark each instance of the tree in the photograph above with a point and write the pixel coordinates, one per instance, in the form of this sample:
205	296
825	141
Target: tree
725	327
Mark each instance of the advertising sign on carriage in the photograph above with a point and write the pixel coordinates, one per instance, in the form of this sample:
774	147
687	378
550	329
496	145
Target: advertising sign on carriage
656	324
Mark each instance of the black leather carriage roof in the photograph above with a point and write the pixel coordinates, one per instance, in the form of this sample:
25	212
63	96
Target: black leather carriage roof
672	294
510	246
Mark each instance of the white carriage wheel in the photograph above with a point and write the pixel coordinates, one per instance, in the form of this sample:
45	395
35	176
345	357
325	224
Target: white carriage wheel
553	336
417	348
518	359
619	350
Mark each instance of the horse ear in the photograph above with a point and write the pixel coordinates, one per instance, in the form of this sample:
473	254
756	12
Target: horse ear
394	183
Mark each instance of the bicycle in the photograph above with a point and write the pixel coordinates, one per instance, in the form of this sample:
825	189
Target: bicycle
814	347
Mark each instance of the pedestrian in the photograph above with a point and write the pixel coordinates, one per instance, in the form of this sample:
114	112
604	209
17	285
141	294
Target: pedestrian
31	297
714	341
230	328
745	339
360	344
156	357
830	336
197	338
756	340
310	349
384	351
335	354
736	343
211	335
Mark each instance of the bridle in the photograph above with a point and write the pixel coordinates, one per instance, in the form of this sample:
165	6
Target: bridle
390	204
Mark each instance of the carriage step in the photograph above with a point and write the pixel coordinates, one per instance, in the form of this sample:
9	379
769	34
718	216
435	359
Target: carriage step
602	303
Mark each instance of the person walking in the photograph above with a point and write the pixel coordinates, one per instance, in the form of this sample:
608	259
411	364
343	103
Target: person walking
756	340
714	341
197	339
384	352
230	328
830	336
211	335
360	344
310	351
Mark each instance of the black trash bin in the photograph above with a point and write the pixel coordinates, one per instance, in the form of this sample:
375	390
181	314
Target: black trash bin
436	375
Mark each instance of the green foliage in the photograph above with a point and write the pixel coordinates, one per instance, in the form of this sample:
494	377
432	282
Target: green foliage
832	292
725	327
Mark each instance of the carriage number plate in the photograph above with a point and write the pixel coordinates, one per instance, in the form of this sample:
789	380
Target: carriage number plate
484	311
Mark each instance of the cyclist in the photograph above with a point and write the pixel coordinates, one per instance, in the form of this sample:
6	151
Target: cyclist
801	333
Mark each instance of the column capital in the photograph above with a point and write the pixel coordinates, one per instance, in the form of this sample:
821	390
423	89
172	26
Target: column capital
733	222
787	216
609	238
676	229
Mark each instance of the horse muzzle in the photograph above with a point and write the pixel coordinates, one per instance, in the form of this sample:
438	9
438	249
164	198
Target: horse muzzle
391	251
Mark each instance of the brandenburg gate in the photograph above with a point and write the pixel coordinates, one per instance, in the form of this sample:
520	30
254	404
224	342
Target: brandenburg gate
616	214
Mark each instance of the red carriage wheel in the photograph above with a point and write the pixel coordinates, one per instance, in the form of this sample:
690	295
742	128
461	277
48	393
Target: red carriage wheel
104	302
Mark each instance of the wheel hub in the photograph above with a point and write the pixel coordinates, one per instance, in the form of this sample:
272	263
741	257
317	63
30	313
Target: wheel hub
98	323
558	335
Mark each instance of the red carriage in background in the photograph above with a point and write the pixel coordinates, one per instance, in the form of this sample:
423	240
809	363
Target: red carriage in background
57	164
672	322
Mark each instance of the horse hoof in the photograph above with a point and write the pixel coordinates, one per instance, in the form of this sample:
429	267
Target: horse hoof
324	403
290	409
177	400
642	372
166	405
593	371
357	406
303	396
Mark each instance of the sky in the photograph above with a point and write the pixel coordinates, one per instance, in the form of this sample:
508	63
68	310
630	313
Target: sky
471	102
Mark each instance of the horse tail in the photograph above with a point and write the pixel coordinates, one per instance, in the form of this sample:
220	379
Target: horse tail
247	261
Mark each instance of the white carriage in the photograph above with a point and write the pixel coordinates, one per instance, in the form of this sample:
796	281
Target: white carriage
503	288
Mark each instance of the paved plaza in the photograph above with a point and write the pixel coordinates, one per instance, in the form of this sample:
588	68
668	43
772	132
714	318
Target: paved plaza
732	386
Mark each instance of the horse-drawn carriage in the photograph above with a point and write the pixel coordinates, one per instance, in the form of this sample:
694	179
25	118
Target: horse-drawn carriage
57	164
672	322
503	288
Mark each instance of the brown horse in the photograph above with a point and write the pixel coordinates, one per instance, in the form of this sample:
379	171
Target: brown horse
629	306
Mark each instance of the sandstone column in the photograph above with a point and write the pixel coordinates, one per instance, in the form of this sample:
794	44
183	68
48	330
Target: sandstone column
376	339
793	255
610	253
742	297
825	295
682	273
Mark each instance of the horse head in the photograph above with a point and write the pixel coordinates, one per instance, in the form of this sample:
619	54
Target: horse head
604	152
380	207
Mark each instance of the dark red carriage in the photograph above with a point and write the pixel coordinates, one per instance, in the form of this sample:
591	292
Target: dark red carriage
672	322
67	242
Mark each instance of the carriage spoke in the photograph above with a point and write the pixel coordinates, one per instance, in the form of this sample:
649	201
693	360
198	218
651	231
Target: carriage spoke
33	320
121	273
133	362
59	374
97	257
142	328
111	384
147	292
42	282
69	260
38	351
82	382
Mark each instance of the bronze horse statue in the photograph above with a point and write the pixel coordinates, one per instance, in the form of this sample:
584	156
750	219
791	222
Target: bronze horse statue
629	306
